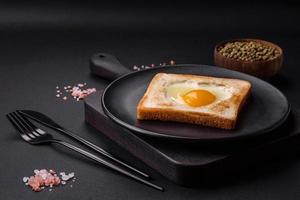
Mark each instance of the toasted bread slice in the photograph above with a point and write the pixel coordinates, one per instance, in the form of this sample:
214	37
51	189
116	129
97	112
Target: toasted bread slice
158	104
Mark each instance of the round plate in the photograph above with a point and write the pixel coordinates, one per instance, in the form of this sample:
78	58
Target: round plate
266	109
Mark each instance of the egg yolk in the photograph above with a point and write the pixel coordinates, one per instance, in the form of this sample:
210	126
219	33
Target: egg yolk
196	98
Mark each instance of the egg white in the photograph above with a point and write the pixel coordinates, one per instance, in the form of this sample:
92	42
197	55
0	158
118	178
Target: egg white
175	91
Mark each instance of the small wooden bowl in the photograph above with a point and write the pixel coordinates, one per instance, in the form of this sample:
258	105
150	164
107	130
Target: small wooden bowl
261	69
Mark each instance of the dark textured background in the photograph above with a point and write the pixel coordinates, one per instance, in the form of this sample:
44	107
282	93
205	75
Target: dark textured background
47	44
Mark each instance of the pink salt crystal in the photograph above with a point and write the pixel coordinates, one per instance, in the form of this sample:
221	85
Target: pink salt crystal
56	180
50	181
46	178
81	96
76	93
66	177
91	90
44	175
34	183
43	171
25	179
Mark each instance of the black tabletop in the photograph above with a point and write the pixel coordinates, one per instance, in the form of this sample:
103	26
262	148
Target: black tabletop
47	45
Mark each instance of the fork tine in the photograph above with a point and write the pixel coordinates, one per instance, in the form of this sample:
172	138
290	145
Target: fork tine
12	120
21	123
37	131
17	125
30	127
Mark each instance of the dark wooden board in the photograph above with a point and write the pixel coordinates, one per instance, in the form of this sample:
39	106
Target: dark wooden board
188	164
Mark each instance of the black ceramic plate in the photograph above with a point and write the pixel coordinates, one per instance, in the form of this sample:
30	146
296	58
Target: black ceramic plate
266	109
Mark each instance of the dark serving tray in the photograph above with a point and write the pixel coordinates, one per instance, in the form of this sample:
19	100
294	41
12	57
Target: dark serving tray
189	163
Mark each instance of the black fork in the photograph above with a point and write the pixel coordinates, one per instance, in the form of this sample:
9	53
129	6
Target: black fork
33	135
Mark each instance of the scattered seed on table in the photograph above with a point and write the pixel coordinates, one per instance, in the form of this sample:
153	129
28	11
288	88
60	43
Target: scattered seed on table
249	51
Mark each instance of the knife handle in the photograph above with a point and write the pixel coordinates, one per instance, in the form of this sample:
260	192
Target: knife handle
107	66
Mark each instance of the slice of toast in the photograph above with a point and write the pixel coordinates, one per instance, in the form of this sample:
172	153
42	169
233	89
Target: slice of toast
156	104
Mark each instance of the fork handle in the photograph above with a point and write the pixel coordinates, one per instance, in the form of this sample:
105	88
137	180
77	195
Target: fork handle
107	164
101	151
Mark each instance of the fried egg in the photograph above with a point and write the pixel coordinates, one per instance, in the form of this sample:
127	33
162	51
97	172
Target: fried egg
196	94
